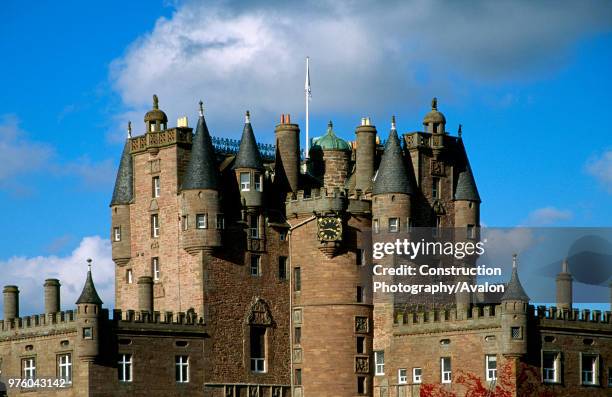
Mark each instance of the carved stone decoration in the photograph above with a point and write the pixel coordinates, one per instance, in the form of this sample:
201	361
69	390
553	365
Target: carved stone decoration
361	324
437	168
259	314
155	244
155	166
329	248
438	208
362	365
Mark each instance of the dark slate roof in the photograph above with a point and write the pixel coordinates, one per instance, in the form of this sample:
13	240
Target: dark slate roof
89	294
248	154
466	186
201	171
514	289
123	192
392	176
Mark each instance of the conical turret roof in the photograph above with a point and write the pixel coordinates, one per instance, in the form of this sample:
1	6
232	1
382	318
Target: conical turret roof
466	186
392	175
248	154
124	190
201	171
514	288
89	294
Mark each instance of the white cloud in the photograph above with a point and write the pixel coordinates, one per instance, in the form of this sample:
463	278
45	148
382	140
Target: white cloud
601	168
367	59
547	216
29	275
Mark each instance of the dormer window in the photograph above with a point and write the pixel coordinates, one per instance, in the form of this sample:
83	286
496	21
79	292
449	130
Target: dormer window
245	181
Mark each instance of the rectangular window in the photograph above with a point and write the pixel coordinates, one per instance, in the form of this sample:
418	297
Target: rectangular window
128	276
182	369
117	233
361	385
516	333
282	268
298	377
297	335
471	232
155	269
201	221
255	265
379	359
88	333
297	279
375	226
359	257
402	376
445	370
551	365
254	226
29	368
590	369
155	225
125	367
258	182
64	367
417	375
245	181
359	294
491	367
361	347
220	222
409	224
156	187
610	377
394	225
435	188
282	236
185	222
258	349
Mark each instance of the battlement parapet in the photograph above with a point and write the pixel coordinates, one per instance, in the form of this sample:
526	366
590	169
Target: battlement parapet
158	139
553	316
324	200
166	319
37	323
443	320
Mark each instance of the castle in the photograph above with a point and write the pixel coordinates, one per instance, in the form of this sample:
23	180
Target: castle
244	270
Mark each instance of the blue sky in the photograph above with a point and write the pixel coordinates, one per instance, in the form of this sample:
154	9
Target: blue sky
529	82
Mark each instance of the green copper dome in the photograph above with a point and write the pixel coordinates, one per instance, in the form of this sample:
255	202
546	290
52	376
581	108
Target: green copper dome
330	141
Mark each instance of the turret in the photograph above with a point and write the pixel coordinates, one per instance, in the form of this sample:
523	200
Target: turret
467	201
155	119
365	152
89	307
200	203
123	194
145	294
287	166
11	302
52	296
564	287
434	121
514	304
330	156
248	167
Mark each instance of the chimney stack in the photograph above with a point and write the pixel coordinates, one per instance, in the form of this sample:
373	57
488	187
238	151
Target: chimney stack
145	294
564	287
11	302
52	296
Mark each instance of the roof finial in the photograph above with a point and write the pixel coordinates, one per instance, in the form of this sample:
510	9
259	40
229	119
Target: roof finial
155	102
514	256
393	126
89	264
201	108
434	103
247	117
129	129
330	125
459	132
564	266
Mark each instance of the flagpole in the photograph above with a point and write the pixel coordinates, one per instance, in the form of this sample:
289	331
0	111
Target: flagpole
307	97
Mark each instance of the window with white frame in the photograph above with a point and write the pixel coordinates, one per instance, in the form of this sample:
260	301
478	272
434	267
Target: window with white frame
258	349
64	367
445	370
129	277
117	233
491	367
155	225
255	265
379	359
258	182
182	369
393	225
201	221
125	368
29	368
254	226
156	187
375	226
185	222
551	365
88	333
590	369
409	224
155	268
417	375
402	376
220	222
245	181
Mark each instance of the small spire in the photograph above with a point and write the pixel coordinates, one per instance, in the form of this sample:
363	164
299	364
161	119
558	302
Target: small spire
155	102
129	129
201	108
247	117
89	264
330	126
459	132
393	126
434	103
514	264
564	266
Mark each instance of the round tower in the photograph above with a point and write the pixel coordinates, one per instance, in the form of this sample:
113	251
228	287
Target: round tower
287	168
123	195
249	168
11	302
89	307
331	156
201	214
564	282
52	296
365	152
514	305
145	294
